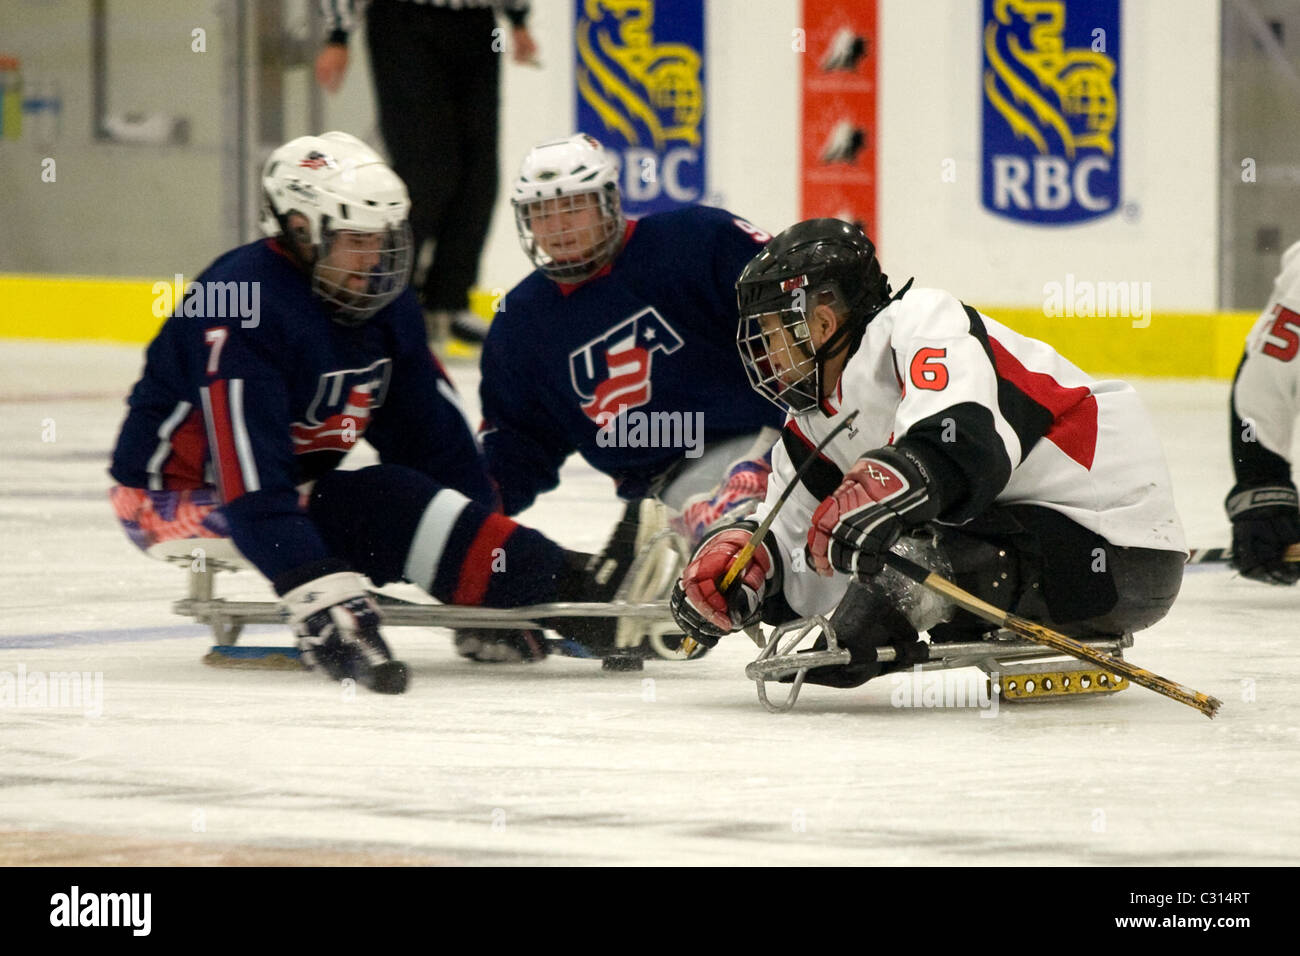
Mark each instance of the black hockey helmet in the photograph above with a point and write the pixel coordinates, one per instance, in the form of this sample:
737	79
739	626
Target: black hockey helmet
814	261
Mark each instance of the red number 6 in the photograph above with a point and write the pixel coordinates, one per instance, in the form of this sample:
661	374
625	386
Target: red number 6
927	371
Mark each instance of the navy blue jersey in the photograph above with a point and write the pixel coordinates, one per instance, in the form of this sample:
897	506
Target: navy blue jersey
257	406
612	368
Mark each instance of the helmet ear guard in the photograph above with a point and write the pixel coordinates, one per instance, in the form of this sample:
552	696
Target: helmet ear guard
779	354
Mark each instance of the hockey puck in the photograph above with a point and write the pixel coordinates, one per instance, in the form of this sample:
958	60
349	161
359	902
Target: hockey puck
622	664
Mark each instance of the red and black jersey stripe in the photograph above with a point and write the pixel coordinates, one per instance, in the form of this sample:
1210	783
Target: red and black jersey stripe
823	476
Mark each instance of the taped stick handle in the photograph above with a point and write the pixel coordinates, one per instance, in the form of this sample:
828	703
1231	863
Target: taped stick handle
1046	636
1224	555
742	558
738	564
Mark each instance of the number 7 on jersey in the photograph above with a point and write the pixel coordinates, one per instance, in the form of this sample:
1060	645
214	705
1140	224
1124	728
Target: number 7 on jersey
215	338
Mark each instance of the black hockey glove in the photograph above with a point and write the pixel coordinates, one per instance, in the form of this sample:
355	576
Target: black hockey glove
864	621
337	626
700	608
1265	522
887	491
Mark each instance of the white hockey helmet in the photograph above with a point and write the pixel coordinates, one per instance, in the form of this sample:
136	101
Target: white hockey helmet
315	188
557	183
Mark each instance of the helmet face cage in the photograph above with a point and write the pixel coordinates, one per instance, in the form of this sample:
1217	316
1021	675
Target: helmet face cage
814	262
357	273
566	241
777	350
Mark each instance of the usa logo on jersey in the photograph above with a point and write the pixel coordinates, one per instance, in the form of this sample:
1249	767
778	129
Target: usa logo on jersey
340	411
612	372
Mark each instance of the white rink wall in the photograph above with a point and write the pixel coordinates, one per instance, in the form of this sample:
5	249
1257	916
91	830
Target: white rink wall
153	211
929	111
1169	132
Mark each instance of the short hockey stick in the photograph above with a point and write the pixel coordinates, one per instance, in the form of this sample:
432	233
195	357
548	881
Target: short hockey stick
1049	638
741	560
1223	555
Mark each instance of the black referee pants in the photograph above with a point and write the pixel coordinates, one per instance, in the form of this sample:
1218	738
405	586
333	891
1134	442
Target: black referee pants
437	84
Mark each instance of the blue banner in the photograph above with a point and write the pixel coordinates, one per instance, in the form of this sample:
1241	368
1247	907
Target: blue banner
640	90
1050	87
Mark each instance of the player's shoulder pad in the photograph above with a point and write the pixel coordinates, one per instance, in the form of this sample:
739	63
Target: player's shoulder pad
703	219
405	317
533	292
928	313
532	305
1291	260
249	290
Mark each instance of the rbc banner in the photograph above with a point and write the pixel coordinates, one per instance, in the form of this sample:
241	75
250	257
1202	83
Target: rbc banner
838	153
1050	87
640	88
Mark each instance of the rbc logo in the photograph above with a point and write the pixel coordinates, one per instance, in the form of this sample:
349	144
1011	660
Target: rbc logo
612	372
639	78
1051	109
675	173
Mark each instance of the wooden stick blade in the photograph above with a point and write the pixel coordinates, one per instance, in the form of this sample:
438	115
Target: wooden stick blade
1041	634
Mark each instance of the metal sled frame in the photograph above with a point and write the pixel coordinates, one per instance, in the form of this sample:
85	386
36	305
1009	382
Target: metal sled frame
1004	655
227	618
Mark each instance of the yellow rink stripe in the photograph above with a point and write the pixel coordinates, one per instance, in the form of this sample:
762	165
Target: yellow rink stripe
1176	345
1182	345
72	307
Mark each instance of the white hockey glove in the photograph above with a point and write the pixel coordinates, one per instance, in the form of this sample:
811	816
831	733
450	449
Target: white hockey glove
337	626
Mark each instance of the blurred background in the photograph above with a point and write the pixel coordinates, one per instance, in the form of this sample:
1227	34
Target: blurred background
991	147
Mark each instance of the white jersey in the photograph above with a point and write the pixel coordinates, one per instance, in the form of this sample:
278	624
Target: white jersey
1265	396
1016	421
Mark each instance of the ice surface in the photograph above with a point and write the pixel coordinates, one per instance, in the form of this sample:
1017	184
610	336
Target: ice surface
563	763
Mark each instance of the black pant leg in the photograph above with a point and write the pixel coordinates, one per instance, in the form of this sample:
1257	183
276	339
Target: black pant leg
1038	564
474	125
414	96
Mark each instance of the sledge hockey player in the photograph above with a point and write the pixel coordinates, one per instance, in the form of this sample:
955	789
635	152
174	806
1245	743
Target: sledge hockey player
239	422
1262	504
978	452
621	346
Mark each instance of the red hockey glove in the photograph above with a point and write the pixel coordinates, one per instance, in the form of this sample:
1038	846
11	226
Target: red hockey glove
698	605
886	491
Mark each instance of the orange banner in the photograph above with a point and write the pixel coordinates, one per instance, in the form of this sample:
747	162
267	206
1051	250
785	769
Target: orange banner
838	121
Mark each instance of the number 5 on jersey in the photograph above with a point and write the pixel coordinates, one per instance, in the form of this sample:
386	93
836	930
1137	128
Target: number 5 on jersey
1282	328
